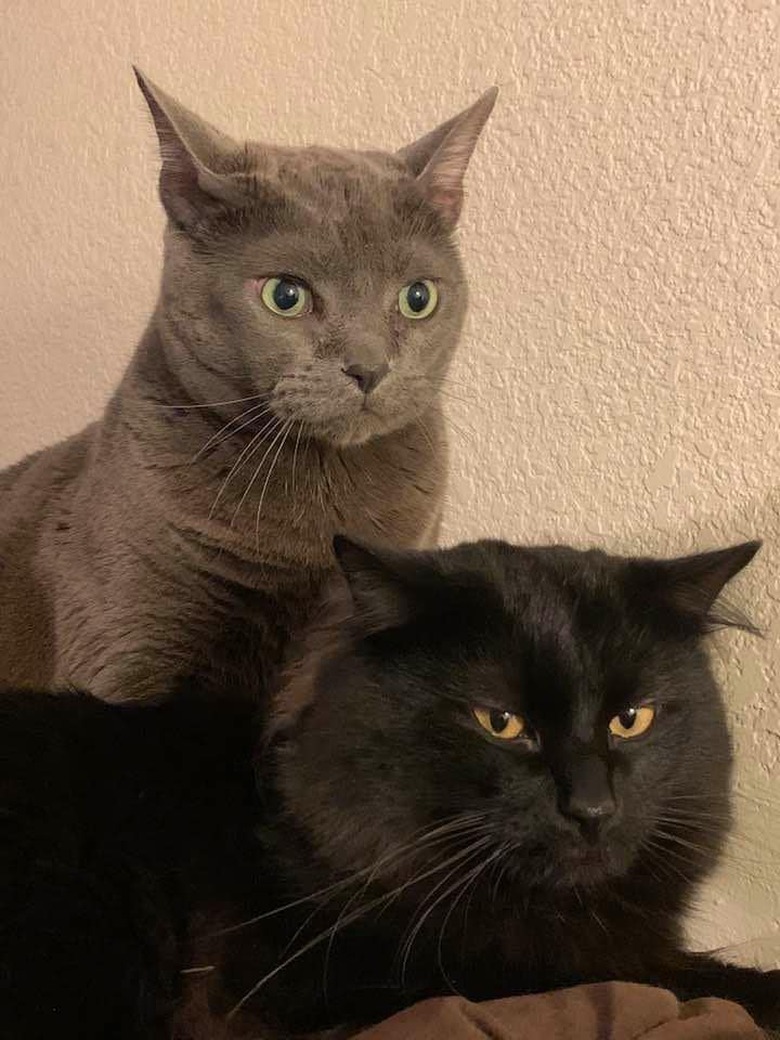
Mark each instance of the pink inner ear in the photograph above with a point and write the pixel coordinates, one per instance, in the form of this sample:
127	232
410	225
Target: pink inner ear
448	201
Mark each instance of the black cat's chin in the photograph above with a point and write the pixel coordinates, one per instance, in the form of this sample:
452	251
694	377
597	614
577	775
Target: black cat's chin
574	864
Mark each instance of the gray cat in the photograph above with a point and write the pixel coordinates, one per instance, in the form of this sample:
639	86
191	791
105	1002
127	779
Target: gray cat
286	388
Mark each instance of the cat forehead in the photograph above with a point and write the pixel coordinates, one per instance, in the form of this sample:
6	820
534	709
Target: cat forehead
335	179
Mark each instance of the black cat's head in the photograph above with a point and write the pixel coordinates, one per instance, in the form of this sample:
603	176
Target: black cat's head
546	709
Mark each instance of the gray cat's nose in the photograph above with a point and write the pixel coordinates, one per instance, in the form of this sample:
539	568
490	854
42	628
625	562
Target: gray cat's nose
366	376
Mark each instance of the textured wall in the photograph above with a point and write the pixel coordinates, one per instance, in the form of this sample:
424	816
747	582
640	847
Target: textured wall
619	381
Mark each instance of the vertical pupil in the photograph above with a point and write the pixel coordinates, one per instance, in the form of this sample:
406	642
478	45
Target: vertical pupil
499	720
286	295
417	297
627	718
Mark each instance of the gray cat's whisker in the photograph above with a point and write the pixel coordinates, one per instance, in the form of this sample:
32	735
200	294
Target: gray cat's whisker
295	455
285	433
276	433
247	452
214	404
224	433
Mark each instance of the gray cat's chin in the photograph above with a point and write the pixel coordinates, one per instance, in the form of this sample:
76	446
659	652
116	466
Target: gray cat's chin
353	432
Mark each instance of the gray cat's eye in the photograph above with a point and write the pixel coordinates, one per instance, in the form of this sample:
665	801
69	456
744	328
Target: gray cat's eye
418	299
286	297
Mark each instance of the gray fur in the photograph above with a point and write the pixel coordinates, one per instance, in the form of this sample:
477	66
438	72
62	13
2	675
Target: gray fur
190	527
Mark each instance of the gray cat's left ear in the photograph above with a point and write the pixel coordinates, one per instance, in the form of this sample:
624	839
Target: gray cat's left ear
191	151
439	160
381	597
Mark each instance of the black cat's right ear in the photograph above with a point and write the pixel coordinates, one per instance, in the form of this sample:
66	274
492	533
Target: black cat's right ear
439	159
381	597
190	150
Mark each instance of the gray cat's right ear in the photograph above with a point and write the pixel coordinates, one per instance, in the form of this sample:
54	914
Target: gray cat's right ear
381	597
439	159
190	150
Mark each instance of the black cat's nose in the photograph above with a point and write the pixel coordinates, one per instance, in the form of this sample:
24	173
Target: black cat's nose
367	377
592	814
586	796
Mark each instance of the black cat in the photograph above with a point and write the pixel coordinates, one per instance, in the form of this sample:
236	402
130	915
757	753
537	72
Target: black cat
494	770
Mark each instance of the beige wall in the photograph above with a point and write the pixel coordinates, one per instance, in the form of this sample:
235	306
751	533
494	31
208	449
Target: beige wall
619	380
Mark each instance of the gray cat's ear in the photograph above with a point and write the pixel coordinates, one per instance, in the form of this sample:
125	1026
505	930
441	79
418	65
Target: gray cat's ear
381	597
439	160
190	150
691	586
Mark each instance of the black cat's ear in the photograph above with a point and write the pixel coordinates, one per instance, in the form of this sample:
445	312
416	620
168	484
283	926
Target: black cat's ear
690	586
190	150
381	596
439	159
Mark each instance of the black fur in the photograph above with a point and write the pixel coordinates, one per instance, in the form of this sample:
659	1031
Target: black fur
122	824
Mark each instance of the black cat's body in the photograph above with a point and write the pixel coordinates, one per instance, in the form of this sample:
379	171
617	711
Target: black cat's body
386	845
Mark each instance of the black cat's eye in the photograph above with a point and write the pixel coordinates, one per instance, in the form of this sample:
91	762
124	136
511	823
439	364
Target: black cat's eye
632	722
287	297
504	725
418	299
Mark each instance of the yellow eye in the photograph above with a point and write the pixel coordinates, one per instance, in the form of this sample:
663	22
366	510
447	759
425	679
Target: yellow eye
503	725
418	299
632	722
285	297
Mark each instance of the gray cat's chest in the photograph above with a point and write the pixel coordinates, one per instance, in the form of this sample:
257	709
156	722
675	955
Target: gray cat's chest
150	589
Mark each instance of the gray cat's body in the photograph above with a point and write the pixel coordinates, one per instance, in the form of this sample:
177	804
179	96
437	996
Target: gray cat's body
190	528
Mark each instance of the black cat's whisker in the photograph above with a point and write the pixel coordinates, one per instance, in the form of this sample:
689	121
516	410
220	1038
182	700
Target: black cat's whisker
413	845
457	834
457	888
405	851
353	916
660	853
470	887
729	853
247	452
737	843
407	941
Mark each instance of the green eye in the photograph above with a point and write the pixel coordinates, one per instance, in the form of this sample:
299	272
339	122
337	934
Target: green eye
418	299
285	297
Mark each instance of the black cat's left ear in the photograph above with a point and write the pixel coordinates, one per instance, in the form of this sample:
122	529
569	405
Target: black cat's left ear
439	159
691	586
381	597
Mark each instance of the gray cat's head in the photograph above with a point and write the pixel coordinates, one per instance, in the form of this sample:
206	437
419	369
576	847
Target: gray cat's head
327	281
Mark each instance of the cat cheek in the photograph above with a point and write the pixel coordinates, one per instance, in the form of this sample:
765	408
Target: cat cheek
252	287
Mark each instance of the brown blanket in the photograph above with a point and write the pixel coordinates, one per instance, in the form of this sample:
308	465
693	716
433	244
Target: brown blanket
605	1011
